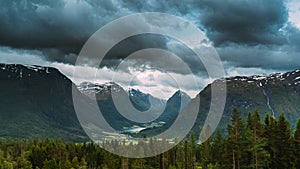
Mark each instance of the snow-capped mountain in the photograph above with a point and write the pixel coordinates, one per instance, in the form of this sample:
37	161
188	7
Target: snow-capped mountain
139	100
274	94
37	102
24	71
102	91
290	78
144	101
166	110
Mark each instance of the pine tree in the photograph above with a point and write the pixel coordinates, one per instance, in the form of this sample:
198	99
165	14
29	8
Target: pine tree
75	162
218	149
236	141
258	156
186	154
297	145
271	129
284	143
82	164
192	150
206	153
279	142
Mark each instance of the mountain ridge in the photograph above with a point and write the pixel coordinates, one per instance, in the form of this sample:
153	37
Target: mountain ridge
36	101
273	94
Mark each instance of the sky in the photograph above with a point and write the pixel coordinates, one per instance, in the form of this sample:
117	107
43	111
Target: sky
251	37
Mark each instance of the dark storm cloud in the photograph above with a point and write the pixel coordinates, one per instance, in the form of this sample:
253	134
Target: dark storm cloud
145	41
252	34
55	27
174	7
243	31
67	24
61	27
251	22
280	57
260	56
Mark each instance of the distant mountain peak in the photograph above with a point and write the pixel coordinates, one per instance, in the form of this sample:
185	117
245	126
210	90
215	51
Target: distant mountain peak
133	91
91	89
181	93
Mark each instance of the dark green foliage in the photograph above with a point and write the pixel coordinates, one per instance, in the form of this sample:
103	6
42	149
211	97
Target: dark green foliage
235	147
297	145
284	144
218	148
258	156
249	144
250	93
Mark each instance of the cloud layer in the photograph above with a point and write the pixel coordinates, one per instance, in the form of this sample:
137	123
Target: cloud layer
248	22
255	36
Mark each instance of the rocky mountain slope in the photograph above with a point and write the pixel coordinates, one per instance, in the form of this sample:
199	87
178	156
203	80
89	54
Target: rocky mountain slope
274	94
36	102
165	111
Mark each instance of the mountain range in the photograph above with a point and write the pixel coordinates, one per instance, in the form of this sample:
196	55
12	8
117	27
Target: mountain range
273	94
163	111
36	102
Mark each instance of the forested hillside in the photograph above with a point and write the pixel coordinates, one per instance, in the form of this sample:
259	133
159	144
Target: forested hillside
251	143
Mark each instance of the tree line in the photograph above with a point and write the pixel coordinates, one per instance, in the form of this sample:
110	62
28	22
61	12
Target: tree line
250	143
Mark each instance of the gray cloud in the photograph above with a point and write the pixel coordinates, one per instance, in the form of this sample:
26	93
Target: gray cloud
293	36
55	27
61	27
248	22
247	34
280	57
167	62
266	57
